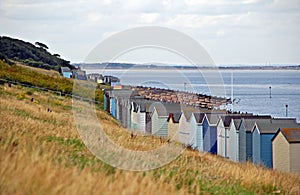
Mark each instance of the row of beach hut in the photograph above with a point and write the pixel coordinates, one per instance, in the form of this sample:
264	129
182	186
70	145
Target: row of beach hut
240	137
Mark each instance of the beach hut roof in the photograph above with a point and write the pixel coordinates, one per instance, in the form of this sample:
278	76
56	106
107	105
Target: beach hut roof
188	111
199	117
227	119
213	118
122	93
174	117
292	135
145	105
65	69
267	126
249	122
165	109
237	122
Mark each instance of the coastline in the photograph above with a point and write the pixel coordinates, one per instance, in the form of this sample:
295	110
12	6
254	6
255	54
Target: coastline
88	68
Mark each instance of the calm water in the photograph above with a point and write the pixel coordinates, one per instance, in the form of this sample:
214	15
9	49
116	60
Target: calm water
251	88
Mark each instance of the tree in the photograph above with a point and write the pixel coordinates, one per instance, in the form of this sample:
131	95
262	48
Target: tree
56	55
42	45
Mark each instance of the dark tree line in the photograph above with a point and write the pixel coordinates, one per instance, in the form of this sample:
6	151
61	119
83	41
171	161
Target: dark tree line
31	55
42	45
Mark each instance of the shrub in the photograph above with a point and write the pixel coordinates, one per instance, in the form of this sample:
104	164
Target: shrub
21	96
30	92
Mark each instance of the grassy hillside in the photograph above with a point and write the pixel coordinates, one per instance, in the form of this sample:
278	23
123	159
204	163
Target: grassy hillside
31	55
41	153
46	79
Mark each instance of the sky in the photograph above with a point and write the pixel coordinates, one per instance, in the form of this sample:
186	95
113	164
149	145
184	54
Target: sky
233	32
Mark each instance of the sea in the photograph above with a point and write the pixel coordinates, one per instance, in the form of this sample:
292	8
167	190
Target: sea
262	92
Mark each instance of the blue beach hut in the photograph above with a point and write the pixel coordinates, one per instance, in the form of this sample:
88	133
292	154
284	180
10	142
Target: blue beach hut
209	124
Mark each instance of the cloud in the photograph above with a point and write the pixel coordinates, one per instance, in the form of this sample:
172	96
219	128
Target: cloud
74	27
145	6
196	21
149	18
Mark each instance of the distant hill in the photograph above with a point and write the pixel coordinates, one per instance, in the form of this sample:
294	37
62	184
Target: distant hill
31	55
110	65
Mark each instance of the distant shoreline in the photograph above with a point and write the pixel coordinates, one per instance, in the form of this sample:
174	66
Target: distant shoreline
194	68
125	66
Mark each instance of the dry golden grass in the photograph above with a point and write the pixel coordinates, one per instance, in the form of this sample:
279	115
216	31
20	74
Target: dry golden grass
41	153
40	70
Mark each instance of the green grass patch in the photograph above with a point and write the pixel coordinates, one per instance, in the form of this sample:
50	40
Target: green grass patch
60	84
23	113
76	143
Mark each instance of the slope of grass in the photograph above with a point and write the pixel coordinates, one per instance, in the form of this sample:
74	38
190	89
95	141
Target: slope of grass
42	153
48	80
51	73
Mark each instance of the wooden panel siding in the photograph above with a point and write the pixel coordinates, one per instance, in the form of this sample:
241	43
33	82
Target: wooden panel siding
256	146
213	139
128	117
242	142
233	143
199	137
106	102
286	149
262	148
112	107
121	107
127	114
184	127
206	136
141	121
148	123
116	108
184	124
67	74
196	122
159	124
196	131
266	150
222	138
144	117
209	138
173	130
295	157
281	153
173	126
193	130
122	111
133	122
249	148
137	114
209	126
